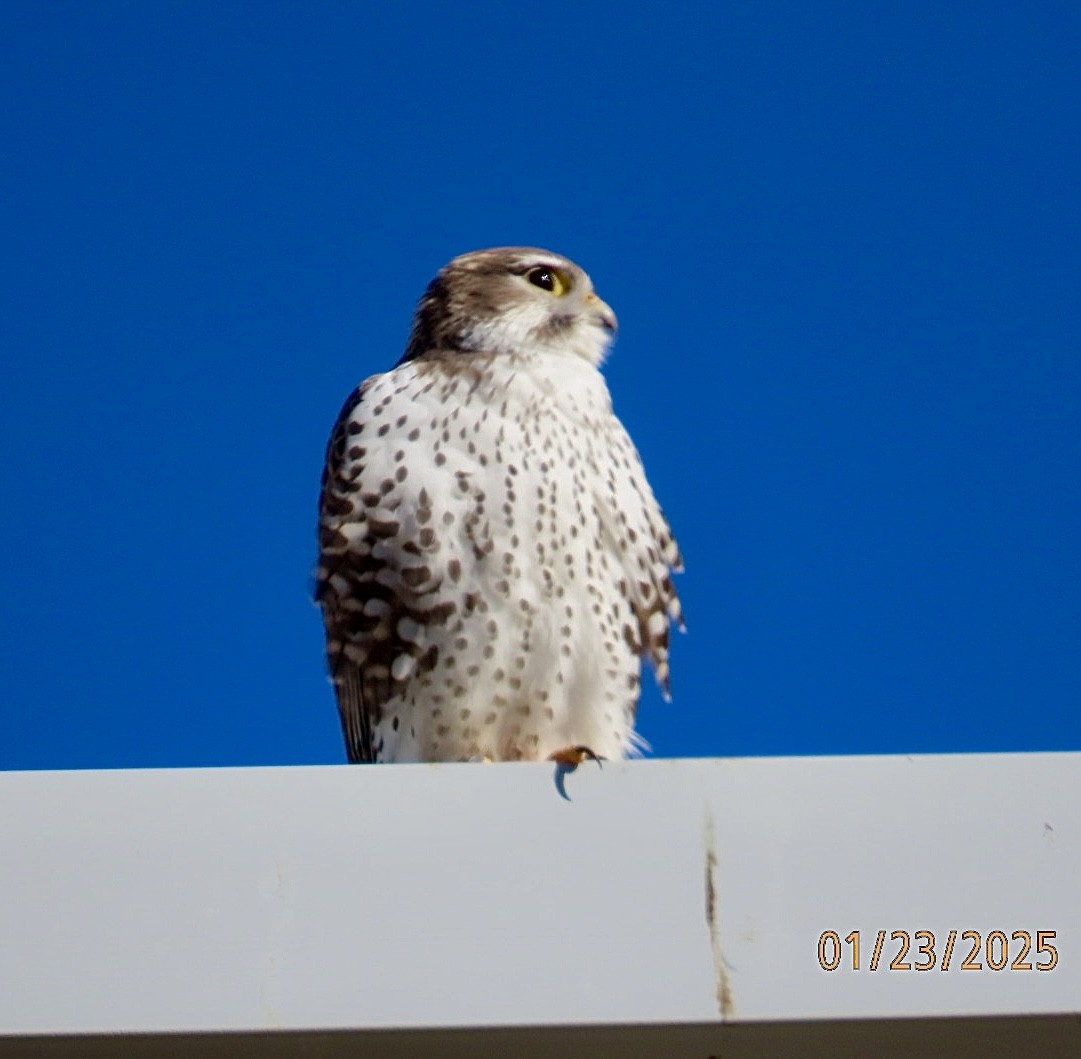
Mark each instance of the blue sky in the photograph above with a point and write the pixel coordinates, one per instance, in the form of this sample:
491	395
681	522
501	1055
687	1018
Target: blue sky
843	243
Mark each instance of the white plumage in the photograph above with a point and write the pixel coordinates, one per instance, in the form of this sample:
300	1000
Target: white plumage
493	564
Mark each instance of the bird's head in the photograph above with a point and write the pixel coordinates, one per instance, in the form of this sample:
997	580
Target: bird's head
511	300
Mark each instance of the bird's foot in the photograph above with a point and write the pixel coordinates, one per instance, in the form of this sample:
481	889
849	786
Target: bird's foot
573	756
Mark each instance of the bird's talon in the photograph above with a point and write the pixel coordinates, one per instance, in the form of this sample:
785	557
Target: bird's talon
573	756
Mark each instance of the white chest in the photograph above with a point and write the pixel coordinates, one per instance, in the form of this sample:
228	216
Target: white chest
506	473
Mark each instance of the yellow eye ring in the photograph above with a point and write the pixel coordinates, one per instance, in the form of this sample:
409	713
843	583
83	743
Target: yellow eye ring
551	279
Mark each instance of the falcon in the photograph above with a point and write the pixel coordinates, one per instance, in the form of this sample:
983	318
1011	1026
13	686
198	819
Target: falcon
493	566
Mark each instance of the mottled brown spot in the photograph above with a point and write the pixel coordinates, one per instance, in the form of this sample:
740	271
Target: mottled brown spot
415	576
379	528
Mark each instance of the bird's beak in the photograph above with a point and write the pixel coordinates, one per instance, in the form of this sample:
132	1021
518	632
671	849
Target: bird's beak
602	312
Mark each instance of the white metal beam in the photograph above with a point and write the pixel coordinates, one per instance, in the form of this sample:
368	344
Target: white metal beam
657	898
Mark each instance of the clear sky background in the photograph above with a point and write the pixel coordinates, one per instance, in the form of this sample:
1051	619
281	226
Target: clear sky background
843	243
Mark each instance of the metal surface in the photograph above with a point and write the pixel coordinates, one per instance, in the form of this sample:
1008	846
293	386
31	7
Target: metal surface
1010	1038
664	893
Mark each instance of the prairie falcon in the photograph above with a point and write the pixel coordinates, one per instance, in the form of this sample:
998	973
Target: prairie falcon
493	566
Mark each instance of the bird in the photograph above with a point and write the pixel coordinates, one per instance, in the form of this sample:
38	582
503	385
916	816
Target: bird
493	565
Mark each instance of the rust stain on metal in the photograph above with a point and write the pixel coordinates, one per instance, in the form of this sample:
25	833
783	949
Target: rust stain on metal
720	967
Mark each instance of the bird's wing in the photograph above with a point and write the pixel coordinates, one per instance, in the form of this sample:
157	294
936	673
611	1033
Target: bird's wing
376	580
636	529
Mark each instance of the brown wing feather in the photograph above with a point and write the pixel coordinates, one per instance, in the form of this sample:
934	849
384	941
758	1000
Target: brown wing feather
377	583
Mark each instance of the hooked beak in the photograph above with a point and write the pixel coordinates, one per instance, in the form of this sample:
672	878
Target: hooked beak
602	313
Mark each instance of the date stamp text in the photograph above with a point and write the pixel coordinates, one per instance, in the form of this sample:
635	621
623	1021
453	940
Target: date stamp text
966	950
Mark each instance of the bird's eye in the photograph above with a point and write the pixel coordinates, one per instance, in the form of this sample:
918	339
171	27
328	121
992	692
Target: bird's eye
549	279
